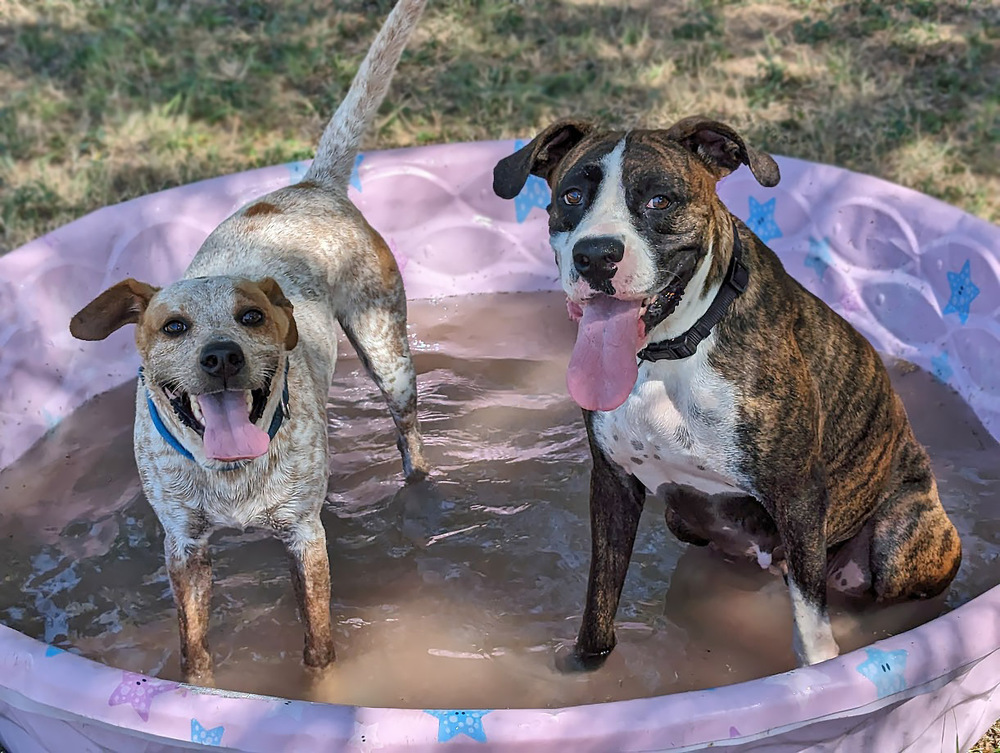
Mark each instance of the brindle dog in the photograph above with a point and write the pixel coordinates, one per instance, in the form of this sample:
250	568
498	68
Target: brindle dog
711	378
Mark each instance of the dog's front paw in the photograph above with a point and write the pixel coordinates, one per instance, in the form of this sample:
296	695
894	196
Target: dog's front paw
417	473
415	465
574	660
204	678
818	649
319	655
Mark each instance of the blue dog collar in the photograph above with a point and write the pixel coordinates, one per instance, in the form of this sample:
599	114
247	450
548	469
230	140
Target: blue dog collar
279	417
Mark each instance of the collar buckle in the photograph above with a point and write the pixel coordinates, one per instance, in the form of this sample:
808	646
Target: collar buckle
740	277
676	349
684	346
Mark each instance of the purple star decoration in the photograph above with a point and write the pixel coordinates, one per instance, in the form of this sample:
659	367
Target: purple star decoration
138	692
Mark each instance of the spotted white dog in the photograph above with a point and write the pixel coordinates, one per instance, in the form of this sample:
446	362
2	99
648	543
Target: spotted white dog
238	358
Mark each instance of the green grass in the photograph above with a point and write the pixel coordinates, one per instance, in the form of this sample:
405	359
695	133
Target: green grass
105	100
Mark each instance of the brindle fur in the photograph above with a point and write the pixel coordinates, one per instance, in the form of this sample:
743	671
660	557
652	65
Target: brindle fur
305	257
824	466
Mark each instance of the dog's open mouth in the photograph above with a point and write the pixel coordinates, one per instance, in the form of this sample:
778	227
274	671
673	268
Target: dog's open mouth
603	368
651	312
226	420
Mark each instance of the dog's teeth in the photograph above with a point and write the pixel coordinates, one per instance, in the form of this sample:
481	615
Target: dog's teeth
249	397
196	410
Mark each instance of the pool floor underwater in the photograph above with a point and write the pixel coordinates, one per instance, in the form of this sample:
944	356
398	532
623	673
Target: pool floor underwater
456	592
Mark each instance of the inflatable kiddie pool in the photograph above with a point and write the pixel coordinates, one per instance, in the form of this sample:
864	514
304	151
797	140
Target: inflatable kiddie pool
919	278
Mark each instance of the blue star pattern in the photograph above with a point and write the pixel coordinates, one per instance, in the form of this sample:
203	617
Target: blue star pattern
296	171
820	257
51	421
206	736
940	366
534	194
53	651
963	292
452	722
761	219
885	670
356	172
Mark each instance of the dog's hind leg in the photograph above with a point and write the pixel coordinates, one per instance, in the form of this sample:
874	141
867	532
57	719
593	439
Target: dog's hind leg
680	528
915	550
376	326
736	524
190	570
800	515
310	569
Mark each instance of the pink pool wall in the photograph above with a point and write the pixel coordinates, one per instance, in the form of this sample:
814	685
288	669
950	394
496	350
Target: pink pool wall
919	278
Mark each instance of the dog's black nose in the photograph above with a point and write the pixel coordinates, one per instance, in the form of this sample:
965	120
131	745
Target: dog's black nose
222	359
596	259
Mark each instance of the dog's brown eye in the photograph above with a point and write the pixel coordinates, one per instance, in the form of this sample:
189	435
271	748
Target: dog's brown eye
658	202
573	197
175	327
251	317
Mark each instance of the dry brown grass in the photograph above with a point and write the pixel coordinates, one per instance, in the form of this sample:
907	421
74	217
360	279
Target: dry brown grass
990	742
104	100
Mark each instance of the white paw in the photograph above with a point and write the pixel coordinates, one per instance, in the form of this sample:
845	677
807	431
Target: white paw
813	637
815	649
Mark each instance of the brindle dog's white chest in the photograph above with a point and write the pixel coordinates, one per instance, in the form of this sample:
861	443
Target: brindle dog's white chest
678	426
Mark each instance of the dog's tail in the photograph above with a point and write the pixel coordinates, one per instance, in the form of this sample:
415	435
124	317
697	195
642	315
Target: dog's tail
341	139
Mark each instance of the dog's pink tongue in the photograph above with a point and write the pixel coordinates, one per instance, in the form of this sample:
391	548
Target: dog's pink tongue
603	369
229	435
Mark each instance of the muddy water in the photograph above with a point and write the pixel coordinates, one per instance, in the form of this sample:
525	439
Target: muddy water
454	593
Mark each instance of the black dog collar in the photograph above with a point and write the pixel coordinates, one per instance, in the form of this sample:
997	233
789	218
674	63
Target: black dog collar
684	346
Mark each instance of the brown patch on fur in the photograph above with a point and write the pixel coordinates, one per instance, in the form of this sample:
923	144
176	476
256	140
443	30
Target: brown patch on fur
541	157
706	218
388	269
303	185
280	310
121	304
191	582
722	149
261	207
310	570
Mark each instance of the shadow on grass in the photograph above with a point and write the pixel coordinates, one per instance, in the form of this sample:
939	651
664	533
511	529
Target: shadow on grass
107	101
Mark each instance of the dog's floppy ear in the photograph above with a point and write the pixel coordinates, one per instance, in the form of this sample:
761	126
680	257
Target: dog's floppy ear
722	149
121	304
540	157
283	309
